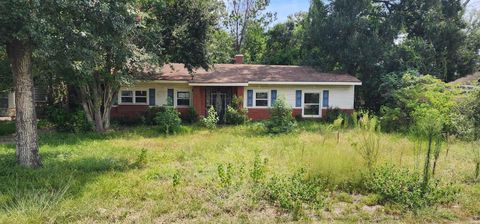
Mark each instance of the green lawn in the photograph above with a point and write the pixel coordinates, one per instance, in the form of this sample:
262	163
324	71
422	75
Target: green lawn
221	176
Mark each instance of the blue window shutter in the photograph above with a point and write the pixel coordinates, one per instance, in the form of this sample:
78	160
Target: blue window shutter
298	98
325	98
274	97
151	97
170	97
249	98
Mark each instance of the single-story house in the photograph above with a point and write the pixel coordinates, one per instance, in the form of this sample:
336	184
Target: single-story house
309	92
7	101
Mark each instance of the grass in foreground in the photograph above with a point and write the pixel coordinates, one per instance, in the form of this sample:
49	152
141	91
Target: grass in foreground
232	174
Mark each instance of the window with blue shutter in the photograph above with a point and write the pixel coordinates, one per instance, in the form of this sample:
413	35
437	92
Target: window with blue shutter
325	98
298	98
249	98
170	97
151	97
273	97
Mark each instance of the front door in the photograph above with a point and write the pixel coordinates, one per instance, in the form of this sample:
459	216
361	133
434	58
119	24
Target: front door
311	104
219	98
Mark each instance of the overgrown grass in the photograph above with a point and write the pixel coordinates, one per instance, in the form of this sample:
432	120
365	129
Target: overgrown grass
232	174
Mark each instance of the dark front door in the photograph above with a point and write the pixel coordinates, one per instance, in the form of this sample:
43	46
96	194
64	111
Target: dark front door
219	98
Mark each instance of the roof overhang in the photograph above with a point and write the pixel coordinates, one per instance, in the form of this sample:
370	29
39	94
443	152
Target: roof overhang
307	83
217	84
167	81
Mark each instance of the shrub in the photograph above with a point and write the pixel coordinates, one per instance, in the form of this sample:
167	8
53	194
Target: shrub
236	114
7	127
369	144
192	116
405	188
292	192
129	121
168	120
332	114
211	120
66	121
281	120
151	113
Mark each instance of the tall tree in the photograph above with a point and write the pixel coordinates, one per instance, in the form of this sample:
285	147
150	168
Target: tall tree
284	41
242	13
255	44
21	28
105	43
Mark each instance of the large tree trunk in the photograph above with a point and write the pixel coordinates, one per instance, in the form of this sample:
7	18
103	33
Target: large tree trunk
20	55
97	99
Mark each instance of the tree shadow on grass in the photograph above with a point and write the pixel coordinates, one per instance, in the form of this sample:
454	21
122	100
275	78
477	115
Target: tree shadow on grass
24	190
60	138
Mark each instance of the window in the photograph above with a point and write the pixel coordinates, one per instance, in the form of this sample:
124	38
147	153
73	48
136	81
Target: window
311	104
128	96
140	96
261	99
183	98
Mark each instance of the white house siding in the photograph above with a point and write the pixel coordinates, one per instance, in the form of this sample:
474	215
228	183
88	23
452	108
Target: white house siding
339	96
160	91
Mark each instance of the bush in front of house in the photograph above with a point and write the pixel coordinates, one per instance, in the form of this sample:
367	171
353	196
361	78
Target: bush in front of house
66	121
235	113
405	188
7	127
281	119
211	120
151	113
168	120
192	116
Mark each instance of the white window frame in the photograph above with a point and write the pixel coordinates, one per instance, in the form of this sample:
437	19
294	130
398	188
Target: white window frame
255	98
176	98
134	96
319	104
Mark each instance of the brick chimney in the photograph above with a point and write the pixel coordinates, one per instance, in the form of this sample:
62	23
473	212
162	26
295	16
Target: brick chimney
239	59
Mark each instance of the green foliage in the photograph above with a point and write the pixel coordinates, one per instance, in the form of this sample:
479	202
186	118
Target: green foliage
129	121
168	120
236	114
292	192
369	145
220	46
151	113
192	115
259	168
141	161
7	127
66	121
466	117
281	119
420	98
211	120
404	188
284	41
255	44
332	114
225	174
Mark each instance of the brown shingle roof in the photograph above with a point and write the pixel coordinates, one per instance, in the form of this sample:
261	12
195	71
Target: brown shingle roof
469	79
244	73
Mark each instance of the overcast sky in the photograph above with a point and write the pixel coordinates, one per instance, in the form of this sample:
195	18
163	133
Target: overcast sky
284	8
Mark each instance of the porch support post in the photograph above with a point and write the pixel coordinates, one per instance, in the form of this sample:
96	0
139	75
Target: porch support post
239	91
199	100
